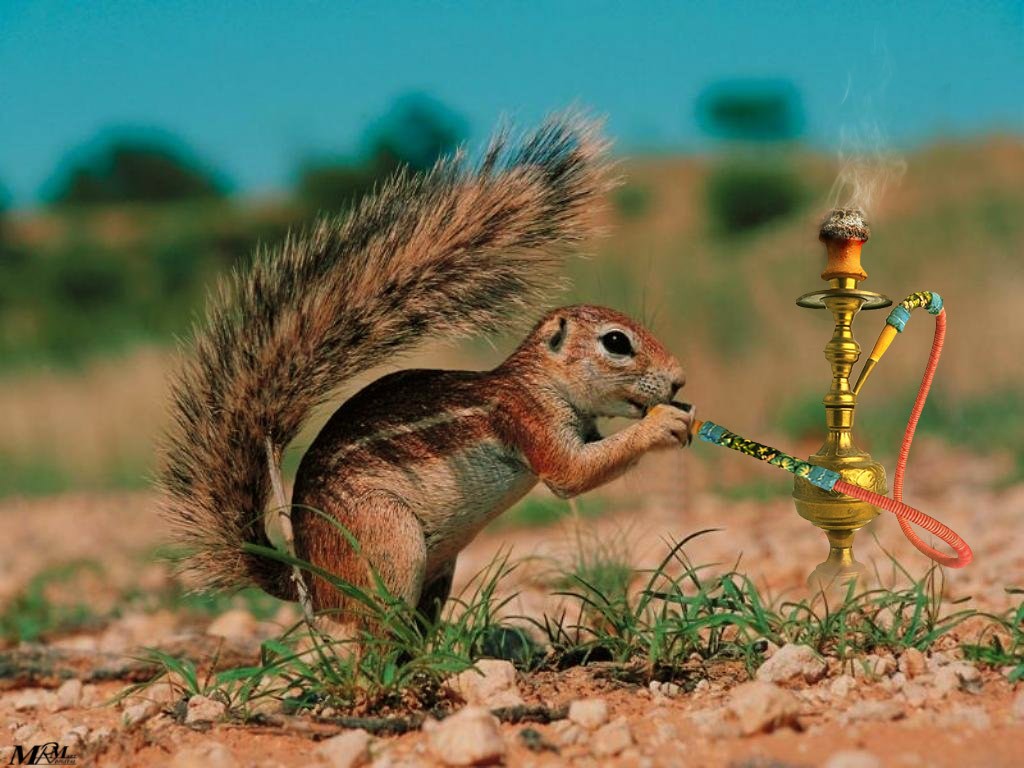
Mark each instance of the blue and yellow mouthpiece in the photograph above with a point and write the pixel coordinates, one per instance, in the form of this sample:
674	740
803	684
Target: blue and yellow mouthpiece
894	325
710	432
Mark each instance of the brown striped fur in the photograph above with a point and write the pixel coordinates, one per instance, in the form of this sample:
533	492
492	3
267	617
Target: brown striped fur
419	461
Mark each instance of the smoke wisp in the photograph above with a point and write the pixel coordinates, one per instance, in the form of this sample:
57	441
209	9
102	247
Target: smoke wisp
866	170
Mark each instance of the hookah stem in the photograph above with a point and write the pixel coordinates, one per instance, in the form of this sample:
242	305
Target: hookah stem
830	480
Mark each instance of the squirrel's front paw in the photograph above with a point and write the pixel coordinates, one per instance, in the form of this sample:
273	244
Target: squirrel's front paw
667	426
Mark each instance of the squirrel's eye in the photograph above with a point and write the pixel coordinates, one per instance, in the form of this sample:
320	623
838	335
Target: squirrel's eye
617	343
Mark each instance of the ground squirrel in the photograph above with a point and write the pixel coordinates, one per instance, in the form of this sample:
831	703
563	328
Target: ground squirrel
415	464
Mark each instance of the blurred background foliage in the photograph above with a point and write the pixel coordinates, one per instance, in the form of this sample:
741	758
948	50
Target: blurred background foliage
710	249
126	168
751	187
414	133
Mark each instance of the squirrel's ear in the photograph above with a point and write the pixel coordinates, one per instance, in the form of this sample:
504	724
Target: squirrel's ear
558	337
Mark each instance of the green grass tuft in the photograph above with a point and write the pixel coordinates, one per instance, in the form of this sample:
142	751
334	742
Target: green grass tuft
666	623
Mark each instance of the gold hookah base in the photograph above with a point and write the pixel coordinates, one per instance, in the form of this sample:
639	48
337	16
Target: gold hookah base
839	516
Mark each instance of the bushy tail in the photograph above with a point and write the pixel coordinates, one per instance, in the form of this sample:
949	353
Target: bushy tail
452	251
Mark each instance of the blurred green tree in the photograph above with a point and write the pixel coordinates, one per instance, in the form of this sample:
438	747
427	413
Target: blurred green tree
126	168
414	133
334	185
744	194
751	110
754	185
632	201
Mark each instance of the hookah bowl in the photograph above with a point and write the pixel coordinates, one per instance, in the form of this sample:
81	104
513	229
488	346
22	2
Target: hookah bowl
843	233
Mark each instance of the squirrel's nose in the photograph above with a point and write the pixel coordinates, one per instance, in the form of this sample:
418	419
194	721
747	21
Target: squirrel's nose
677	383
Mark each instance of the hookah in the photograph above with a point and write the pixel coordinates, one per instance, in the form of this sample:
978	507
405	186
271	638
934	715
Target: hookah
840	488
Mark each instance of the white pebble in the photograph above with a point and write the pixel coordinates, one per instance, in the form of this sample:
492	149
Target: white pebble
347	750
469	737
69	695
792	662
490	683
202	709
589	713
612	738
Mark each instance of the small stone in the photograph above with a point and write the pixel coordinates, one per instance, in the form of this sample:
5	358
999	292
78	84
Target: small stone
612	738
236	624
939	659
91	695
944	682
566	733
76	737
491	683
873	666
913	663
137	713
31	699
69	695
853	758
211	755
202	709
970	676
761	706
703	686
666	690
715	723
100	735
671	689
873	710
915	694
347	750
469	737
958	675
25	732
589	713
841	686
792	662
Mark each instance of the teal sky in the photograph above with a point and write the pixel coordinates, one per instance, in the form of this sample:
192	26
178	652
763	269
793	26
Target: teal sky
253	87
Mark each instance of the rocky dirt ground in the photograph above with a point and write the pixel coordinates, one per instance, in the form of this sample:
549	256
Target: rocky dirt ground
911	709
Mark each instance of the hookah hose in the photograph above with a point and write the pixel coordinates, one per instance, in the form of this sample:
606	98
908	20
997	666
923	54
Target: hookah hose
831	480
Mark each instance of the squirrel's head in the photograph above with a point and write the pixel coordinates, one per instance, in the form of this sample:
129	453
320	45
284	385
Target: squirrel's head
603	362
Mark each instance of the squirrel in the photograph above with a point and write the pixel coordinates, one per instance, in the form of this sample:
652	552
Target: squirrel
419	461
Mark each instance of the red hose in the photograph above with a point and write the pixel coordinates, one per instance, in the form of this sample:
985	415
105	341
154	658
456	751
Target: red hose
905	513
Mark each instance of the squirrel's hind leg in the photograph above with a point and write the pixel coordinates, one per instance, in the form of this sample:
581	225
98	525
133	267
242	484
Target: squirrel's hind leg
391	543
